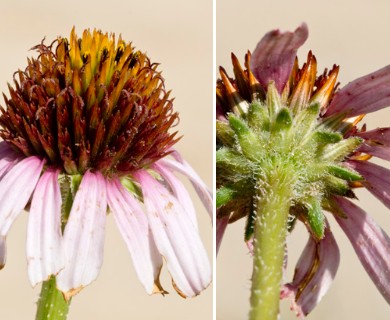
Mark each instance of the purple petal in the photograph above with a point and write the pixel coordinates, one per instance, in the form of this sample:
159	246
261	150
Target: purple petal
274	56
8	158
15	190
371	244
134	228
181	166
363	95
219	113
377	179
178	190
377	142
221	227
84	235
314	273
176	238
380	135
44	236
6	150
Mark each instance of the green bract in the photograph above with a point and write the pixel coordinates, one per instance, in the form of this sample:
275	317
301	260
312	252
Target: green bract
272	140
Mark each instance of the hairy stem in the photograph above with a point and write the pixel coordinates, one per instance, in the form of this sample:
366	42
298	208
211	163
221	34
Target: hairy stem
269	248
51	303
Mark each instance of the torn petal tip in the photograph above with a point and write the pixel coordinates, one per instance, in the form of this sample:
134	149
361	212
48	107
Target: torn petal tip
72	292
158	289
179	292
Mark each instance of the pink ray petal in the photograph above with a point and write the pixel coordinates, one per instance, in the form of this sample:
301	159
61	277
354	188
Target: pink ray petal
15	190
377	142
371	244
134	228
314	273
221	228
178	190
84	235
45	254
377	179
181	166
176	238
363	95
274	56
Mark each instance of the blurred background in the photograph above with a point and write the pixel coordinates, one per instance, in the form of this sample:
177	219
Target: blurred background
354	34
177	34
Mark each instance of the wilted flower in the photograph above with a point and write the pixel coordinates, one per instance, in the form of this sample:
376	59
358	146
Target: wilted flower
289	147
86	128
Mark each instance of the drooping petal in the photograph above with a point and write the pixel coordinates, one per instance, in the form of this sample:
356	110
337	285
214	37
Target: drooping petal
180	165
363	95
134	228
45	255
377	142
371	244
176	238
178	190
314	273
222	224
274	56
84	235
15	190
377	179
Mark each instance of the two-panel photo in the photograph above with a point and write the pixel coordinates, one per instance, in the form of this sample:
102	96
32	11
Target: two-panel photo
212	159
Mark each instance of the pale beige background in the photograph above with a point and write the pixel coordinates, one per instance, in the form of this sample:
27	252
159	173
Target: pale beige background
355	35
178	34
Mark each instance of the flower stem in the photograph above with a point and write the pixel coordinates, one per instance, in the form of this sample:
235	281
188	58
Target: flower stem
269	248
51	303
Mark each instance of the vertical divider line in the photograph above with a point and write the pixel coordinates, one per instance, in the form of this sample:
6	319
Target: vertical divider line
214	167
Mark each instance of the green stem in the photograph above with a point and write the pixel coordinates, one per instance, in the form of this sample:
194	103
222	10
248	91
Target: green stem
51	303
269	248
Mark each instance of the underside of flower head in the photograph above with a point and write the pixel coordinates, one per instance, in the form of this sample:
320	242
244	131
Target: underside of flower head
281	124
89	103
267	130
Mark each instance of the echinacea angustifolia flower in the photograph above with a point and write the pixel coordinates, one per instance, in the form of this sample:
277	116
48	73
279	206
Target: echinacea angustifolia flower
86	130
289	148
